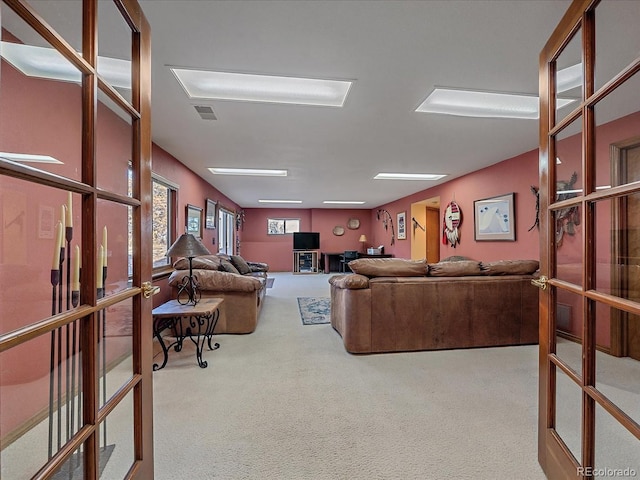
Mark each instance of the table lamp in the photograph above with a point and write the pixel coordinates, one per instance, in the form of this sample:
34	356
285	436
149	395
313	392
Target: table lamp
188	246
363	240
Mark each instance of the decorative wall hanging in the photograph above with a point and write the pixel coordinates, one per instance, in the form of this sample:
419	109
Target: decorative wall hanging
338	230
566	218
353	224
450	223
536	224
494	218
402	229
387	220
210	214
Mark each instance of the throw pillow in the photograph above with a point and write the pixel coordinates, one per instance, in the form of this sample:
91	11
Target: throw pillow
227	266
240	264
205	262
510	267
389	267
460	268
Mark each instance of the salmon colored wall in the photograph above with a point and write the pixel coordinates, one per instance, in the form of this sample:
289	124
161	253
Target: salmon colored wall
277	250
516	174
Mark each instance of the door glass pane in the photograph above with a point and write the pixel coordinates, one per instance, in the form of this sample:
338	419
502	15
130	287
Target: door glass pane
569	412
569	327
617	38
115	348
114	48
117	440
65	17
40	407
114	139
113	236
569	81
31	216
41	117
618	136
617	377
617	451
568	232
618	246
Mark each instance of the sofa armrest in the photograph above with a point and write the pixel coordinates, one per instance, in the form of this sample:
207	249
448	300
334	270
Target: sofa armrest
352	281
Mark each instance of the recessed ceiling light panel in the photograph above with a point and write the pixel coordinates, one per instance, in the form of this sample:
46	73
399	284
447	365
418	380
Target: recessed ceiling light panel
278	201
408	176
262	88
344	202
25	157
43	62
468	103
258	172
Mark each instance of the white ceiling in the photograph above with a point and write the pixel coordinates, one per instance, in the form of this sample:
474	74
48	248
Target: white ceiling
396	52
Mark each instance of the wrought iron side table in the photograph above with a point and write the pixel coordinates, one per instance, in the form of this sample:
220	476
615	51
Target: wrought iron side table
194	321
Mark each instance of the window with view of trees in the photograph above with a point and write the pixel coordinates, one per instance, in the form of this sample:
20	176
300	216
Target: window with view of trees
163	219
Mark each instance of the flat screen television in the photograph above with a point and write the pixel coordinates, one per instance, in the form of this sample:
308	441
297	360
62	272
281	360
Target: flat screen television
306	240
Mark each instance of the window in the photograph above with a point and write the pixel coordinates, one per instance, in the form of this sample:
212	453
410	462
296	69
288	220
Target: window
281	226
163	217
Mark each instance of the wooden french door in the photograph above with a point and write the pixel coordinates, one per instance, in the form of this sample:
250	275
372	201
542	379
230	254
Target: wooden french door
589	395
75	317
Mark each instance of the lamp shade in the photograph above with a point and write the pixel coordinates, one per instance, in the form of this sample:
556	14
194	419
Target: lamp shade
187	246
363	238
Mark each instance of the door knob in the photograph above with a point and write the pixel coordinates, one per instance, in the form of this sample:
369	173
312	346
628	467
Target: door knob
541	282
149	290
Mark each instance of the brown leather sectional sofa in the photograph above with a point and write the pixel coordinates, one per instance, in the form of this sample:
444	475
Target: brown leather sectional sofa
431	307
242	286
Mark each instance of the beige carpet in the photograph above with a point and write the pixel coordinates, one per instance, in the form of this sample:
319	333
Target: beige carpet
287	402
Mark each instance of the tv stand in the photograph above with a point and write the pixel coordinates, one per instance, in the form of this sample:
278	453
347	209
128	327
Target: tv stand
305	261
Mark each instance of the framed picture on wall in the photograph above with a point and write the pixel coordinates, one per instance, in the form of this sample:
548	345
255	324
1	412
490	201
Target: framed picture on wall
494	218
210	214
402	226
194	220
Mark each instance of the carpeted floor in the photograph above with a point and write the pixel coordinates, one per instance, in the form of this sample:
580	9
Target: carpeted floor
287	402
314	310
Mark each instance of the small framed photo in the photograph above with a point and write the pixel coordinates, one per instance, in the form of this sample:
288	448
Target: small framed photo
402	226
494	218
194	220
210	214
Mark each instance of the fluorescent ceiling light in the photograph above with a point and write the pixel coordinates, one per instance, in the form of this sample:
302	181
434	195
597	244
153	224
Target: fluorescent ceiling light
468	103
279	201
25	157
568	78
45	62
408	176
259	172
344	202
262	88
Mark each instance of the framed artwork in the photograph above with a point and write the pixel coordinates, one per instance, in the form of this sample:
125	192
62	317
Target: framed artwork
210	214
402	225
194	220
494	218
282	226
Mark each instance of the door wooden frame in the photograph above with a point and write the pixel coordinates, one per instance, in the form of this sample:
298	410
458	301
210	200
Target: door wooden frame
139	108
554	456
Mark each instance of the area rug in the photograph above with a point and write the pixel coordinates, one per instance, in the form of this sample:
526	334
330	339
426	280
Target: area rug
315	310
270	282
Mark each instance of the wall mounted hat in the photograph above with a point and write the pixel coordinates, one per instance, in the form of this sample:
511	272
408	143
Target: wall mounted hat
338	230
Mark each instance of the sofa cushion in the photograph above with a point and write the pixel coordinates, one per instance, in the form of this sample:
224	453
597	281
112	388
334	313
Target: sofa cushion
216	281
388	267
205	262
258	266
240	263
352	281
510	267
460	268
227	266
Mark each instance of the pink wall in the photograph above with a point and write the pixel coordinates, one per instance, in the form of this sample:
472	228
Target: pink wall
276	250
